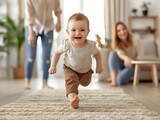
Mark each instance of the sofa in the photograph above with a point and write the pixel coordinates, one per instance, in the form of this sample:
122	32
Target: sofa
150	50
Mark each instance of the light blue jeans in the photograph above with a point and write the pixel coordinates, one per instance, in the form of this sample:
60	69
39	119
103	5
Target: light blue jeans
31	54
116	64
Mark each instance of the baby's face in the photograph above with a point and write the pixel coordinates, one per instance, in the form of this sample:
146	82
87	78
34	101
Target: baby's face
78	32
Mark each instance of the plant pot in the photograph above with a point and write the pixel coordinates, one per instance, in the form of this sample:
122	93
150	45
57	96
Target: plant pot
18	72
145	12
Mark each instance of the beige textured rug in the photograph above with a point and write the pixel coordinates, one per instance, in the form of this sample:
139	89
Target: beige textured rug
111	104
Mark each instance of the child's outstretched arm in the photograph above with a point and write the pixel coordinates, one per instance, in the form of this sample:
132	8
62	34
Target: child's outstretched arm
54	62
98	58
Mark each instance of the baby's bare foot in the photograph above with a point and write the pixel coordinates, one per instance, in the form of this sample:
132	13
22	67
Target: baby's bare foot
74	102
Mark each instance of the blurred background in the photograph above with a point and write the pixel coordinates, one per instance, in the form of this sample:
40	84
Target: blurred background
102	14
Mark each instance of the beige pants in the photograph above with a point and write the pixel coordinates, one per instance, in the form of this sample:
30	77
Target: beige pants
73	79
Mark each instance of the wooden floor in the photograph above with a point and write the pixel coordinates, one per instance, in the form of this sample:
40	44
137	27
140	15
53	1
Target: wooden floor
145	92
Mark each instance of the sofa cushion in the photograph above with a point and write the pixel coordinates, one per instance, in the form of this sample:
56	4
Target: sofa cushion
149	49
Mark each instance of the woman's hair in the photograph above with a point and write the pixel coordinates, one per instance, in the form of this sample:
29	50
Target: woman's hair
77	17
116	41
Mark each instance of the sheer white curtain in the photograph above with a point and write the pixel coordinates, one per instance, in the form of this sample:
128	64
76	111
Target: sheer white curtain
114	11
93	9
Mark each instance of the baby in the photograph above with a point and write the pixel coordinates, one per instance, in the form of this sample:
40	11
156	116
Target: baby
78	53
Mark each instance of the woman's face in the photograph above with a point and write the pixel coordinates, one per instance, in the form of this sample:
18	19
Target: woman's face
122	32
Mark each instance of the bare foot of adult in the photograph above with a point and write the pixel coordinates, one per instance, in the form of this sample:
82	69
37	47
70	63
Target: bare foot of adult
46	86
27	85
74	102
114	84
108	80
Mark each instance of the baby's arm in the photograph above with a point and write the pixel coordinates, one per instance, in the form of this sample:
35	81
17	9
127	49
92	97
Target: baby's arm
98	62
54	62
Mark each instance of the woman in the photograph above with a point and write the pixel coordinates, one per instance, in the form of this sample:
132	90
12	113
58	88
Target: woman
39	22
124	49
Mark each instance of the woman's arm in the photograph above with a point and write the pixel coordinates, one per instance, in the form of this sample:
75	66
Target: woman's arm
58	13
127	60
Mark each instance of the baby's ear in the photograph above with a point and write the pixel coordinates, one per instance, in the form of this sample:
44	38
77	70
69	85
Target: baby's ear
67	31
88	31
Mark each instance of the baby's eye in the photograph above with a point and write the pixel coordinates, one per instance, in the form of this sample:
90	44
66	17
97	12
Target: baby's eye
82	30
73	30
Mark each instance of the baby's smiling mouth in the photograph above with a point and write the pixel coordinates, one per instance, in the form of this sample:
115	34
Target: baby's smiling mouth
77	37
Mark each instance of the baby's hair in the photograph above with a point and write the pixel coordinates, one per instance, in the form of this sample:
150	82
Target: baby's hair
77	17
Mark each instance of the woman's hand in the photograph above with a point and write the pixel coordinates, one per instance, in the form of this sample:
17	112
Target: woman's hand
127	62
32	39
98	39
32	36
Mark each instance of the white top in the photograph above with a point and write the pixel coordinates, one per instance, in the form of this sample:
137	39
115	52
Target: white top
39	14
79	59
133	52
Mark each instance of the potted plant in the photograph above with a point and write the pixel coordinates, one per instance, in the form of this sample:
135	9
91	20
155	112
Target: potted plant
134	11
14	36
145	8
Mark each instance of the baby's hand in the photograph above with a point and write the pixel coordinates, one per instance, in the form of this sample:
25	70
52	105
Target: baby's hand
52	70
99	70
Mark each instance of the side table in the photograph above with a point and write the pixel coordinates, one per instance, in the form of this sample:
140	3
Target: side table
146	63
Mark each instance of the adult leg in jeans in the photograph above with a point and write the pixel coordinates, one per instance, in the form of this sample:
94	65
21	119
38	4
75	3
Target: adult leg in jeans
115	64
46	55
30	58
125	75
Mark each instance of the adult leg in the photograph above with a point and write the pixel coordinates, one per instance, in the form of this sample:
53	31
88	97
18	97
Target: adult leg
115	64
47	41
125	75
30	58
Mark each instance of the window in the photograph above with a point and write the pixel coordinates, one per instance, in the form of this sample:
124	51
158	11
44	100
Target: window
93	9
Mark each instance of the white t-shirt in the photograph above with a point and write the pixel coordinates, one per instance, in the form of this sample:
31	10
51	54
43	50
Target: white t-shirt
78	59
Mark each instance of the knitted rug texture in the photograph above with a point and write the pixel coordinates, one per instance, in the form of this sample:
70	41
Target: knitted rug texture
108	104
